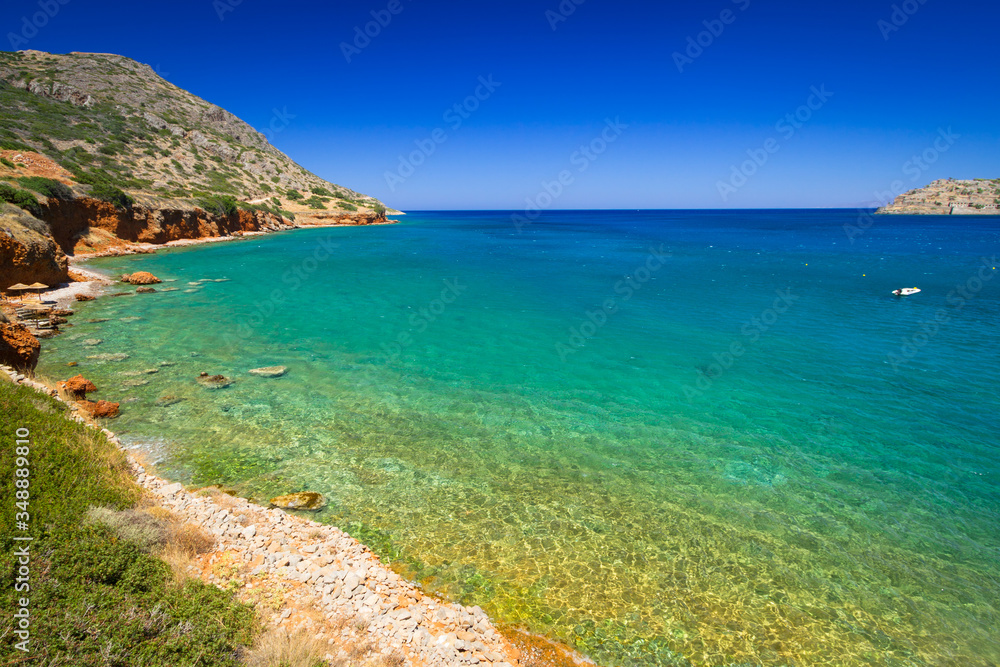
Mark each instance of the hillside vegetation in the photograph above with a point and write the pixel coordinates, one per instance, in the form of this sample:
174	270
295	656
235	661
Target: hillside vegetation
122	130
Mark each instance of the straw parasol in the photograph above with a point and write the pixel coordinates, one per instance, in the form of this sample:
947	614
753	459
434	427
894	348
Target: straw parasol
20	287
39	287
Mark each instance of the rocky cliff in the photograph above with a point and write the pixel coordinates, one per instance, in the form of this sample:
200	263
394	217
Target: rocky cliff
87	225
108	119
28	254
99	152
948	196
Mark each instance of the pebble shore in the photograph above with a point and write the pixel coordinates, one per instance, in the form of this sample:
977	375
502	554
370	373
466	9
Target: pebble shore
311	577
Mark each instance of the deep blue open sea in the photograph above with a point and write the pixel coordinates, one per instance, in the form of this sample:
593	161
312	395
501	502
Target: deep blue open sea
658	436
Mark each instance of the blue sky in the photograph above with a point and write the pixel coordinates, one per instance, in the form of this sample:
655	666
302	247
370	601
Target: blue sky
706	129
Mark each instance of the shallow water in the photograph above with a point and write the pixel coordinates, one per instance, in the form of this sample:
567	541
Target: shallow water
658	436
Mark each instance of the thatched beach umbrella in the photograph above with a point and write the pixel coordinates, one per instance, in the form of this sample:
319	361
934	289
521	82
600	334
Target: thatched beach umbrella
38	287
20	287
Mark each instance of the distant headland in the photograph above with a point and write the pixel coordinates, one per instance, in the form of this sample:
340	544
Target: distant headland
948	196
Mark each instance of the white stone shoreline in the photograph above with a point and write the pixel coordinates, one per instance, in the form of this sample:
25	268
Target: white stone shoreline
320	580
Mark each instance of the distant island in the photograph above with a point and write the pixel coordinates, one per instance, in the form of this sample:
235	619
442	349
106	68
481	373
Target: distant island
99	154
948	196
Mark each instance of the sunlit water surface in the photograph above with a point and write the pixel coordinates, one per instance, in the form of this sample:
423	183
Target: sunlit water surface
657	436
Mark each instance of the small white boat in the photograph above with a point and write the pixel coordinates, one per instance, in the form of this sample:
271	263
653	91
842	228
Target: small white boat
906	291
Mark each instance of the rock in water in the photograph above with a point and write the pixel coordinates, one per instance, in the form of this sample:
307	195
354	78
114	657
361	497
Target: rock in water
213	381
305	500
83	297
167	400
75	388
141	278
145	290
270	371
100	409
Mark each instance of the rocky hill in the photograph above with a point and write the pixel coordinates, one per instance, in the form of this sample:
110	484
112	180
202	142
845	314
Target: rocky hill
948	196
98	151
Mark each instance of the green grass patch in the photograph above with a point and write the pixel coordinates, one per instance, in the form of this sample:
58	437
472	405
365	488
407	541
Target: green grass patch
97	596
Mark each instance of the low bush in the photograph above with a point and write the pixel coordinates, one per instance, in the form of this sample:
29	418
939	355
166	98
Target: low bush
46	186
223	205
110	193
294	195
21	198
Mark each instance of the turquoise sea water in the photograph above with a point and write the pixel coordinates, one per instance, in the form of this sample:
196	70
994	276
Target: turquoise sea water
708	438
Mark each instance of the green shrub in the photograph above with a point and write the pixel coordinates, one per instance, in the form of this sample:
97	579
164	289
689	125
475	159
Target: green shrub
46	186
110	193
223	205
294	195
379	209
347	207
21	198
322	192
315	202
277	202
7	163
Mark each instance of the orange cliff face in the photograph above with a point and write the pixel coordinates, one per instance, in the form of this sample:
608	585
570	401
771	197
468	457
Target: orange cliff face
30	261
89	225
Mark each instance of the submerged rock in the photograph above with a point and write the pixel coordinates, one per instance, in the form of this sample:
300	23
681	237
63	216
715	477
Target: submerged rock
117	356
270	371
145	290
167	400
214	381
91	342
305	500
